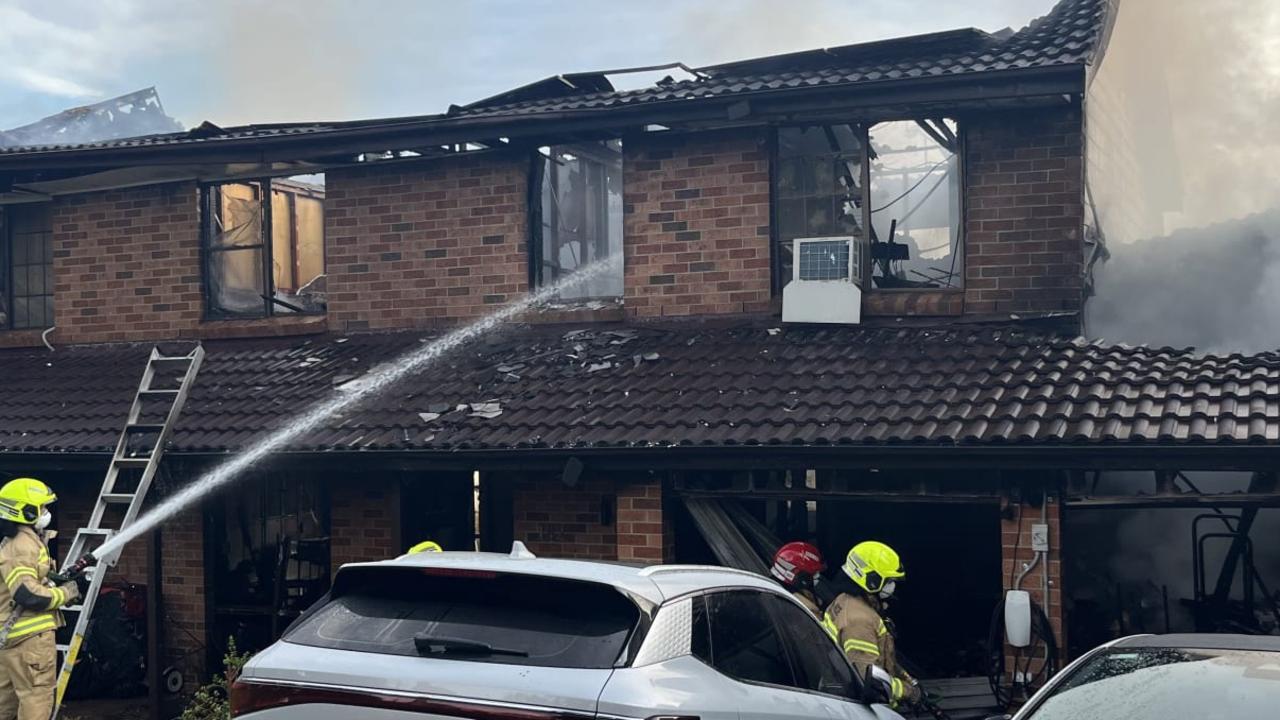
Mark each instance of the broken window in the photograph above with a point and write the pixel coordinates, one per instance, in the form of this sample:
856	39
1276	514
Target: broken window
264	257
26	267
916	205
818	194
578	216
910	222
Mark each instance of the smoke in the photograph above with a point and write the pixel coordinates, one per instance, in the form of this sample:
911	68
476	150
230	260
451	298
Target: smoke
1184	170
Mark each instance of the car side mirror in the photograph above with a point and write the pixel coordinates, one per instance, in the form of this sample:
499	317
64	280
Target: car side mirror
999	717
874	690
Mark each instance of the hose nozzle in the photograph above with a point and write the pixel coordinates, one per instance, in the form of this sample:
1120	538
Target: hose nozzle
73	571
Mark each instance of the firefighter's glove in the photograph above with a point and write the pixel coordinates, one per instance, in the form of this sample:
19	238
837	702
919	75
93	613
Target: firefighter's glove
72	591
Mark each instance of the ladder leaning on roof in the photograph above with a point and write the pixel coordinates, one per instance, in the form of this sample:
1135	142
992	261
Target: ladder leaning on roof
140	447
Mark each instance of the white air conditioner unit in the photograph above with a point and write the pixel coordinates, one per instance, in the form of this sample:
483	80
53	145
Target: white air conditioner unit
826	278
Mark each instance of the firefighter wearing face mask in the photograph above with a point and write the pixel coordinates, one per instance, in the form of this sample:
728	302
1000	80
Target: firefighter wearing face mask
29	603
855	618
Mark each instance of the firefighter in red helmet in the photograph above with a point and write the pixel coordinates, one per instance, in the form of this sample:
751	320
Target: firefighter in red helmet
796	565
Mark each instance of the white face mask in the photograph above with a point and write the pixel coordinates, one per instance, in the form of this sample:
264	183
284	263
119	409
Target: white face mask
43	521
887	590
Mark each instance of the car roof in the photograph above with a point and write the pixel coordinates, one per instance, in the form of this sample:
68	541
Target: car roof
655	583
1202	641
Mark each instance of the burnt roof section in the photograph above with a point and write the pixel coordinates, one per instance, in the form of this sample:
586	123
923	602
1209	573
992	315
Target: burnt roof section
1066	38
1068	35
135	114
648	387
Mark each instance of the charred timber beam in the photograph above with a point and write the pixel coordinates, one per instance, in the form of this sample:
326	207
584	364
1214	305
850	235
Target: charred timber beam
1134	502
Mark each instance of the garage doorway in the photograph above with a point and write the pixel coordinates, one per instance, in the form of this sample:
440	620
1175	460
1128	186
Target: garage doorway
951	551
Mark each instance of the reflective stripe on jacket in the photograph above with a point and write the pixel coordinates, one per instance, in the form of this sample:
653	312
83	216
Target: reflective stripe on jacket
858	629
25	566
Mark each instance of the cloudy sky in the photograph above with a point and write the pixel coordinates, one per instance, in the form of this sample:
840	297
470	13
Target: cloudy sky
236	61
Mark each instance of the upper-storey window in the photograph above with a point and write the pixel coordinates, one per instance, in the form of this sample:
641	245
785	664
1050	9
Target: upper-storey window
916	205
26	267
577	217
894	188
263	257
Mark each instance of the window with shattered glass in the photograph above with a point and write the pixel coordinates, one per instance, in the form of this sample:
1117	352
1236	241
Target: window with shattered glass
916	205
818	193
264	247
26	267
579	217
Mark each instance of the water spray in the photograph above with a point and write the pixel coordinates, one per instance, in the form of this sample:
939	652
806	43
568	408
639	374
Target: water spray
310	419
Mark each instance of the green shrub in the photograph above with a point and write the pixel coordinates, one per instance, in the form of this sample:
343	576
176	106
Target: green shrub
210	702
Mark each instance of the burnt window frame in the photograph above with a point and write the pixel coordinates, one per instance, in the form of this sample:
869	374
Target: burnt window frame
209	206
537	167
7	283
863	129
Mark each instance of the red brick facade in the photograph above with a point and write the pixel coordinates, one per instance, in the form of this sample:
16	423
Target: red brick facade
1025	212
364	522
600	519
555	520
127	268
697	224
1017	554
425	244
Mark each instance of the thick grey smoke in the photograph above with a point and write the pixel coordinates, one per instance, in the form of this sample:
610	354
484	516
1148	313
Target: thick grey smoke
1184	168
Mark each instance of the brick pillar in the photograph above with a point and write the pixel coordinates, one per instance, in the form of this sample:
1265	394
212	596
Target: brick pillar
644	533
365	522
554	520
182	583
1017	553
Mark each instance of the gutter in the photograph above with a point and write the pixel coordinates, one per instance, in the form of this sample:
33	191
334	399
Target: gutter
1144	456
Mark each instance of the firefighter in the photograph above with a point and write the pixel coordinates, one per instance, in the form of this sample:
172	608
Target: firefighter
855	617
28	601
425	546
796	565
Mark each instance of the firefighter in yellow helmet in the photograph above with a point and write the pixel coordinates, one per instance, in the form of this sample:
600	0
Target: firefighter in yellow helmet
29	602
856	622
425	546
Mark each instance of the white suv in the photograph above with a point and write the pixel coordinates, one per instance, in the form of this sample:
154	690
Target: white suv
514	637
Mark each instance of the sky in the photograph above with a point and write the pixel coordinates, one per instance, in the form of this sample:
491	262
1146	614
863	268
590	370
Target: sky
235	61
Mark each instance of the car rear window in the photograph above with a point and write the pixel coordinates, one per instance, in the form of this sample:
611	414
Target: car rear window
526	620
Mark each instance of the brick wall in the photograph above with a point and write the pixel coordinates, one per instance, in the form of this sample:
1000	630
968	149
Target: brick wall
558	521
643	535
127	268
602	518
425	244
1017	552
364	522
1025	211
697	224
183	590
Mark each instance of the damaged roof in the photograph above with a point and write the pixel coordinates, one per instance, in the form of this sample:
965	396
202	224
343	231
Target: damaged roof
1067	39
650	387
1068	35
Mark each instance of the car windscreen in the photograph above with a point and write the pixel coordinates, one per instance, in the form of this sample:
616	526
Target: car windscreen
1169	684
472	616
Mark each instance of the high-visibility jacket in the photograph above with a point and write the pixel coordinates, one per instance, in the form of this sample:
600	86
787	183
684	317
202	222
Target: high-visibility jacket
808	600
855	623
25	566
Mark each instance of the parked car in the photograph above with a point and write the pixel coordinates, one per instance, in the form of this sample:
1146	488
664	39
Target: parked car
514	637
1166	677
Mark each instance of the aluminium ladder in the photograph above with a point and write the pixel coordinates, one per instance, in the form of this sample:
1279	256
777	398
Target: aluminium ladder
140	447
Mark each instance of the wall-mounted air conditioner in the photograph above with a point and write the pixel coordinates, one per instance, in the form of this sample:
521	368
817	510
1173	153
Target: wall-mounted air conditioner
826	276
